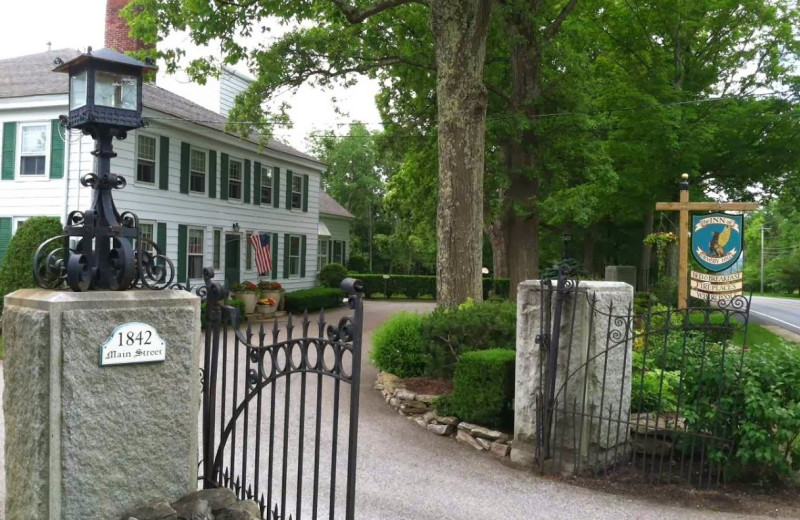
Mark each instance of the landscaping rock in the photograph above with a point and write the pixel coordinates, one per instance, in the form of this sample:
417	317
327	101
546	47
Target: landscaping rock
391	387
468	427
243	510
386	377
378	386
486	433
500	449
155	510
441	429
485	444
218	498
394	402
420	421
413	407
426	398
198	510
650	445
449	419
463	436
405	395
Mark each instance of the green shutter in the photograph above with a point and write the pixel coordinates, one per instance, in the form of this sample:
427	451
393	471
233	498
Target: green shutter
257	183
286	256
223	188
5	236
9	151
56	150
288	189
247	181
182	240
161	237
212	174
330	250
185	158
344	252
303	256
305	192
276	187
274	254
163	163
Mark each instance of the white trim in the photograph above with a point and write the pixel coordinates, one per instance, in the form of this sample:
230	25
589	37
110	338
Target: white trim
193	148
45	176
189	254
268	169
299	254
241	179
156	172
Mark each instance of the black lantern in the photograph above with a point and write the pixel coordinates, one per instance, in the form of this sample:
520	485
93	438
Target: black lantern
105	88
101	248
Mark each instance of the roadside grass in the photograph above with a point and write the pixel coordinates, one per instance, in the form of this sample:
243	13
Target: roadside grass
792	296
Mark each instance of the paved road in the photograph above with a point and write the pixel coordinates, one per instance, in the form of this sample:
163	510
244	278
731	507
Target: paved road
404	472
782	312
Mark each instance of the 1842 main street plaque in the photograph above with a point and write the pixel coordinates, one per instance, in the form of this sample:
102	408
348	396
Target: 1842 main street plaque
133	343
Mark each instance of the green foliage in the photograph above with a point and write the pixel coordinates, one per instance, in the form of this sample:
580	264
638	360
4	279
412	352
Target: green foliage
416	286
483	387
642	301
655	391
357	264
496	288
397	346
332	275
448	333
237	304
665	290
313	299
17	269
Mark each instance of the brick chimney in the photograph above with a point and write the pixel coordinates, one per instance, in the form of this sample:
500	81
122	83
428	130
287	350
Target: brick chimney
117	30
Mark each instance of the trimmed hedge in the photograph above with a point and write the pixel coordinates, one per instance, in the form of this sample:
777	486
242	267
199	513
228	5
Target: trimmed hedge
414	286
483	388
397	346
313	299
17	269
332	275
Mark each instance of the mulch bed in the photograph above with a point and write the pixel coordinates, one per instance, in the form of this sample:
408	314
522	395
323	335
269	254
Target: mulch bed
427	385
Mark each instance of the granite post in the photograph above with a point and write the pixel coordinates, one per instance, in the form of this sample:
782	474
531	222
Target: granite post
593	373
85	441
621	273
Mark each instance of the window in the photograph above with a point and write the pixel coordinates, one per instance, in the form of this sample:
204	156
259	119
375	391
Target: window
198	171
115	90
146	159
195	253
18	222
235	180
322	253
294	255
338	252
33	149
266	186
217	248
297	192
146	231
248	257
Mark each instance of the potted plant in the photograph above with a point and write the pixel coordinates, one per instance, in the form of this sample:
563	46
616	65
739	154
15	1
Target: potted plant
246	291
266	306
270	289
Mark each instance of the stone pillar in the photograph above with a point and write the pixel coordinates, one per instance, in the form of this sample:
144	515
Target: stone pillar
593	373
621	273
85	441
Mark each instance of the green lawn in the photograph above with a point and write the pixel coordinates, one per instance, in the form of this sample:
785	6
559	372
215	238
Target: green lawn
778	295
757	336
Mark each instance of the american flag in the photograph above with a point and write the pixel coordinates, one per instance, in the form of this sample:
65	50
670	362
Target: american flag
260	243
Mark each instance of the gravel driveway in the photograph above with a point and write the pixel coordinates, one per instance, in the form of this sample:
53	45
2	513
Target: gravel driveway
404	472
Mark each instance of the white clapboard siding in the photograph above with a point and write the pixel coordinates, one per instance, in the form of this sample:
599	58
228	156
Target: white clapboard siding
231	84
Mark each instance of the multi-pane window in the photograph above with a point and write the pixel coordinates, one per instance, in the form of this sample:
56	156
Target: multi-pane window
217	248
248	257
322	253
297	192
195	253
294	256
146	230
33	149
235	180
338	252
146	159
266	186
198	169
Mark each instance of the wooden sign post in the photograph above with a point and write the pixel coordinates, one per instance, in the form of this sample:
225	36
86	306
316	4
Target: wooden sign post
684	207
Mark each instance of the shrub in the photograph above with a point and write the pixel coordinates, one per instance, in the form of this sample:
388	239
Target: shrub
483	388
332	275
357	264
313	299
496	287
397	346
655	391
448	333
16	271
414	286
238	304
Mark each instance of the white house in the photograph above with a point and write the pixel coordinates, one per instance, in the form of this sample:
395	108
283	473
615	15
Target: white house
198	191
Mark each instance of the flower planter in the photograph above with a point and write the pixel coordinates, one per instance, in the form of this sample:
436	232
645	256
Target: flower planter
265	309
249	300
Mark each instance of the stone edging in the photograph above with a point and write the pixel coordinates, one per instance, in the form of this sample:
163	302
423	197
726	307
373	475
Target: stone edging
417	407
208	504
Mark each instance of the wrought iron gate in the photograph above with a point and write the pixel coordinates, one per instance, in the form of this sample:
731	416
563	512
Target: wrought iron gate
263	439
659	408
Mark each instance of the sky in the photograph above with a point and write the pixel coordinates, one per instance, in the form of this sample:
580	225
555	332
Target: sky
78	24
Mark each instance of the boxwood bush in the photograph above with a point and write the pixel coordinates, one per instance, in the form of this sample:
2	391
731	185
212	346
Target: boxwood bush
313	299
16	271
332	275
397	345
483	388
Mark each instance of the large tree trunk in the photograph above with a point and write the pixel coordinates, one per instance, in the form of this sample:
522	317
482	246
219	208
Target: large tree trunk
647	258
498	241
459	29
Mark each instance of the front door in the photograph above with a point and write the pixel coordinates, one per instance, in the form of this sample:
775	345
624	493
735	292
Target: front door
232	257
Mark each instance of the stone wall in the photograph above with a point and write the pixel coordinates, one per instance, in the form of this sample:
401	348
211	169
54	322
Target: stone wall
417	407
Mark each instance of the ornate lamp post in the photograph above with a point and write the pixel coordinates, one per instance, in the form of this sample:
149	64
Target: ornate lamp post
101	248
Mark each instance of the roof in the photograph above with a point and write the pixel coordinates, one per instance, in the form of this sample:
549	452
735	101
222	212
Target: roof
107	55
33	75
329	206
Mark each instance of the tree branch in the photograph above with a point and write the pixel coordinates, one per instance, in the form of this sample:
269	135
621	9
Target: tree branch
355	15
555	26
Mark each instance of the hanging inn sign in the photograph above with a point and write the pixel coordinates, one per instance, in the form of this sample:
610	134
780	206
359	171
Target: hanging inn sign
717	240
